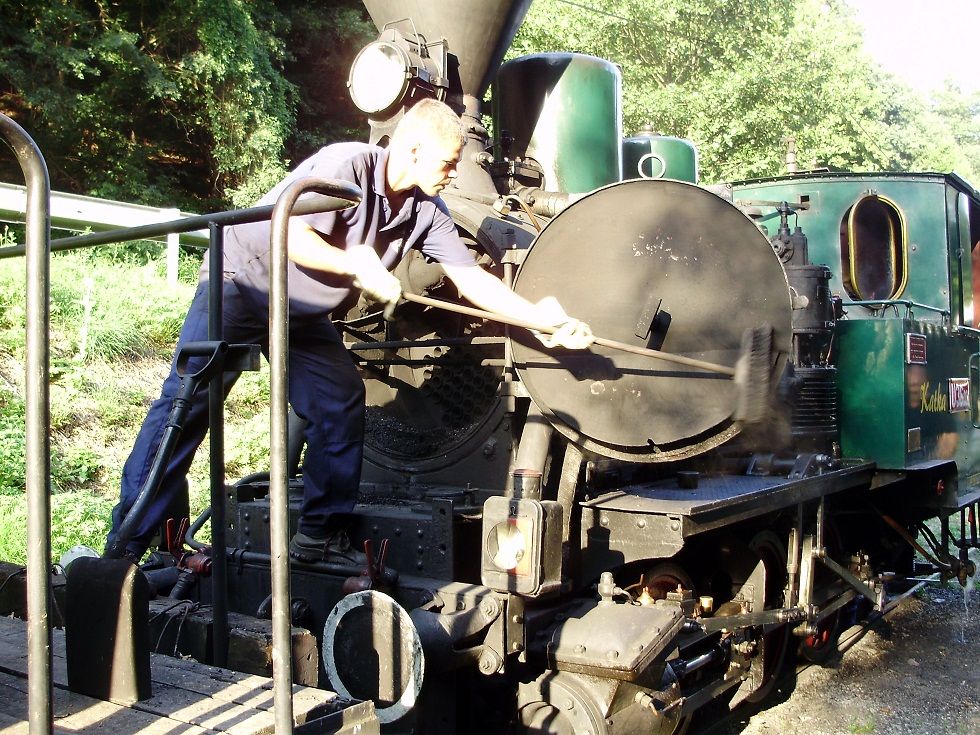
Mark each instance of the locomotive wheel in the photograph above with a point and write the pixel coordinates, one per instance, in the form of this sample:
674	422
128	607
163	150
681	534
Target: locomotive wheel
666	577
775	639
822	645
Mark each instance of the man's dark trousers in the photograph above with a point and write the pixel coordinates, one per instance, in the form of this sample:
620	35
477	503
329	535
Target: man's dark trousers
324	388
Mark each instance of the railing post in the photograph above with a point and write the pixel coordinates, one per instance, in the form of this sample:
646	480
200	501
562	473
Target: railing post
282	669
216	430
37	474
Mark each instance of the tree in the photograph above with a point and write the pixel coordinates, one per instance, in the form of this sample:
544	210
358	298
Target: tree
739	77
182	103
960	114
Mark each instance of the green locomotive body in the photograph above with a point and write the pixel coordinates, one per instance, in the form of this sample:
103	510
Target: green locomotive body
901	250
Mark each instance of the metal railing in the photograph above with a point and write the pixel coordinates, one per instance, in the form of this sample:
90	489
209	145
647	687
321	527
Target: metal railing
882	304
330	195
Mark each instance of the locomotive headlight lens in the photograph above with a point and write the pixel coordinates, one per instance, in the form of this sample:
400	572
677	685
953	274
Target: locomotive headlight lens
506	545
379	77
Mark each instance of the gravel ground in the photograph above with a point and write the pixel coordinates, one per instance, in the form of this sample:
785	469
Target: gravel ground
915	673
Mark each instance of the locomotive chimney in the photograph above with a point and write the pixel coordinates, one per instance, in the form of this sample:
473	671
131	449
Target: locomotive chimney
478	33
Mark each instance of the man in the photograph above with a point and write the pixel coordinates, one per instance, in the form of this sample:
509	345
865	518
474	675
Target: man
329	254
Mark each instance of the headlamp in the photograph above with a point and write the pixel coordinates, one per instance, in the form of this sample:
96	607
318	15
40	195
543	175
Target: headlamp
397	70
379	77
508	544
521	545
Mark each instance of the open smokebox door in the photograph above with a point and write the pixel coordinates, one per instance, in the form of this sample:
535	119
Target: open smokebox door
431	378
658	264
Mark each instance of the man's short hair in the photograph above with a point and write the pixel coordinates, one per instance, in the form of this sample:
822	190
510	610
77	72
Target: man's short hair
429	118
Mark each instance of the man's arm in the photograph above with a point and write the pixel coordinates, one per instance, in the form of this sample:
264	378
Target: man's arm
489	292
308	249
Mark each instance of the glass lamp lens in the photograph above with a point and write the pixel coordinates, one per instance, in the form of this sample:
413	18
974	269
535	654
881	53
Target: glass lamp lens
378	77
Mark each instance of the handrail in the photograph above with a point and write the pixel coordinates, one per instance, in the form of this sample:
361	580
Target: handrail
909	305
38	460
282	674
312	205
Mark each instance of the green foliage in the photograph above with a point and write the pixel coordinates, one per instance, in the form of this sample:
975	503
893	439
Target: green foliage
186	103
12	446
862	727
323	40
739	77
120	311
76	518
100	311
250	450
960	114
99	400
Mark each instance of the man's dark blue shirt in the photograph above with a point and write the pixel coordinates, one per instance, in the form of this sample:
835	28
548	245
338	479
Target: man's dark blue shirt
422	222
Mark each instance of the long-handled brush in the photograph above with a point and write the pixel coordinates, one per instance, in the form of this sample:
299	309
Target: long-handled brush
751	372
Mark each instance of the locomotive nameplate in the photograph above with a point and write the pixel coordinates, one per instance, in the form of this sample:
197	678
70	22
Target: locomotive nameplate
959	395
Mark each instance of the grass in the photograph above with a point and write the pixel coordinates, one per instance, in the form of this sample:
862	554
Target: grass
114	322
859	727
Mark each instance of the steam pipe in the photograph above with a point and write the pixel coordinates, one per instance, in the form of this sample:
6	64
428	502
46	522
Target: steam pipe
546	203
37	470
532	453
282	674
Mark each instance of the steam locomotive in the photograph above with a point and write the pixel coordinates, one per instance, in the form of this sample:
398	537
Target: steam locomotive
602	543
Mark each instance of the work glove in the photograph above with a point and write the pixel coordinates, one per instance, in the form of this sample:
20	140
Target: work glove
372	277
570	333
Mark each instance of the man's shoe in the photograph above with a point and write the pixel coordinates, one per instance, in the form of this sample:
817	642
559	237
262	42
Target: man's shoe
335	548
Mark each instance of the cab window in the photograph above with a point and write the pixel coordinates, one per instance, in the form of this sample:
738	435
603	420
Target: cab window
874	249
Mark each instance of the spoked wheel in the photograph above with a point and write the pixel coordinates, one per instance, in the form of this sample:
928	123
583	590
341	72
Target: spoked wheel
775	638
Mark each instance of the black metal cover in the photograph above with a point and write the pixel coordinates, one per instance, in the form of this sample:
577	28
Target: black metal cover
660	264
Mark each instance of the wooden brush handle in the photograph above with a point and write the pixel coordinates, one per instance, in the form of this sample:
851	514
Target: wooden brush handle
613	344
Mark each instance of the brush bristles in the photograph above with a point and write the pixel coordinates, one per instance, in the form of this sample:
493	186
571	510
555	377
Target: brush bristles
752	375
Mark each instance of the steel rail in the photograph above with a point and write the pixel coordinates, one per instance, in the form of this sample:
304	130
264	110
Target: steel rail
38	460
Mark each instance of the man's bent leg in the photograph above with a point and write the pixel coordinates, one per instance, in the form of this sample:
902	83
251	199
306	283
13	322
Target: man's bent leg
326	390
